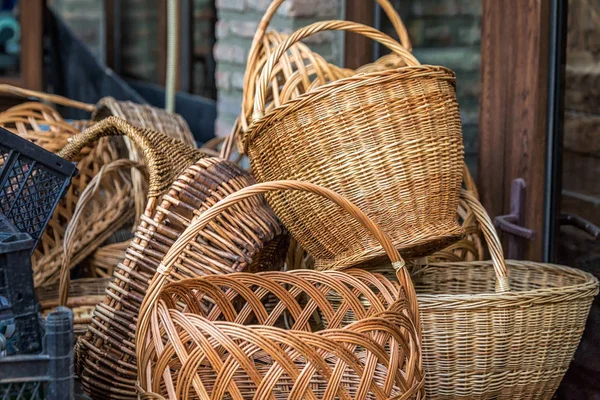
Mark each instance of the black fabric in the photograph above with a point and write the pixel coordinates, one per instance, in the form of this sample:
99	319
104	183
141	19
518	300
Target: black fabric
74	72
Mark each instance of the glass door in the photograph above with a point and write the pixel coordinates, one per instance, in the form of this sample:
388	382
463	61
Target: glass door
577	234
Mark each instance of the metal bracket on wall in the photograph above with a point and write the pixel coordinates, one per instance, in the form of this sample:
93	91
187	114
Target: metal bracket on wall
512	223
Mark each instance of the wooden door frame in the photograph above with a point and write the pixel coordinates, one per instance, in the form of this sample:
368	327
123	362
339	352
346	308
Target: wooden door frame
31	74
517	138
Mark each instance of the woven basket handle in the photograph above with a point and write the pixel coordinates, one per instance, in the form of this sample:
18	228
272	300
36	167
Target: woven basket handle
265	76
170	259
387	7
52	98
492	240
161	153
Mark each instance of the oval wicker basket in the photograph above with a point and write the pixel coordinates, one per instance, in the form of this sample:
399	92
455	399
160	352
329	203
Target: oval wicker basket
275	334
245	238
389	141
486	339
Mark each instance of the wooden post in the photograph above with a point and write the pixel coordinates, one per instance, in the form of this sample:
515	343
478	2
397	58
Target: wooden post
358	50
514	100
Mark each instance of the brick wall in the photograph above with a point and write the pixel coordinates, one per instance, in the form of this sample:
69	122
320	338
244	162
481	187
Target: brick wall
448	33
139	38
237	22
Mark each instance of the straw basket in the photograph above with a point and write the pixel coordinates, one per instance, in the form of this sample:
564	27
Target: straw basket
110	207
390	142
275	334
248	237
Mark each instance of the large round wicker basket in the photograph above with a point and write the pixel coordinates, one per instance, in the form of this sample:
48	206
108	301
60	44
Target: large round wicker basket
389	141
275	334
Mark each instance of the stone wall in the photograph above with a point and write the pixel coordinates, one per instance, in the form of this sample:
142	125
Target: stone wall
237	22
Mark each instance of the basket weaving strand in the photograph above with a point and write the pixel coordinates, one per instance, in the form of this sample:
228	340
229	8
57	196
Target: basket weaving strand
266	359
389	141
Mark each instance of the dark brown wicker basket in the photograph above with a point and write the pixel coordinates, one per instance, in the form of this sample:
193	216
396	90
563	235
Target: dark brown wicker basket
245	237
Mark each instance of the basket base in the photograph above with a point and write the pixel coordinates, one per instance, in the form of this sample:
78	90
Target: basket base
377	256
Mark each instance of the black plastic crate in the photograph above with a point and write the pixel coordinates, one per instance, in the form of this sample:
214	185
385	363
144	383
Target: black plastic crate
48	375
32	181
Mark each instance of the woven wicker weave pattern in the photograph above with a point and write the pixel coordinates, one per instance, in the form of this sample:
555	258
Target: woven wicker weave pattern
245	238
275	335
481	341
390	142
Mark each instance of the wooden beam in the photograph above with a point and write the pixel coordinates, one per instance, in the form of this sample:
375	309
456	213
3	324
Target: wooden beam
358	50
512	135
32	54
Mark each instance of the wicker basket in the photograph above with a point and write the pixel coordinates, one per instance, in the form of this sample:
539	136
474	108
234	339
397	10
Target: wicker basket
484	338
110	207
481	343
295	341
390	142
245	238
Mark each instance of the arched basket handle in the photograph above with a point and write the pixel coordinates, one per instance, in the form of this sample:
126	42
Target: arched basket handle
165	157
265	76
492	240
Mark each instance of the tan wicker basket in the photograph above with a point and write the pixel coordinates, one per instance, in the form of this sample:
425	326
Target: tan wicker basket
390	142
110	207
481	343
244	238
269	359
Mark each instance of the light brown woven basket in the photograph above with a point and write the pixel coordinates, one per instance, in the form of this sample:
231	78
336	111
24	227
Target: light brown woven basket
245	238
389	141
487	339
482	343
190	336
111	205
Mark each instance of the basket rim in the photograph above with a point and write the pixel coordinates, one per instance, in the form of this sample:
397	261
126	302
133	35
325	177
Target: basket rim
343	84
588	286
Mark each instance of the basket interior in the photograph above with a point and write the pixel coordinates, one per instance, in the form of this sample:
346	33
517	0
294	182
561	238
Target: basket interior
478	277
302	302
